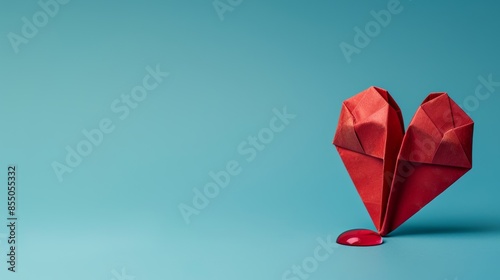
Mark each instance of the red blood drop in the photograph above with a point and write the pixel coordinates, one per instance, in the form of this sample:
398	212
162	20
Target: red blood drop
360	237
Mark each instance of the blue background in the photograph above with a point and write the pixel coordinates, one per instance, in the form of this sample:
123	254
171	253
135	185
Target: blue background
119	207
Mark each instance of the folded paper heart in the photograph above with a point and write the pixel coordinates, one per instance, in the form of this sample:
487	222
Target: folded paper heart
398	173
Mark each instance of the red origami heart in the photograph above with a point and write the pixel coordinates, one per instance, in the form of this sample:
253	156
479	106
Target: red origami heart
396	174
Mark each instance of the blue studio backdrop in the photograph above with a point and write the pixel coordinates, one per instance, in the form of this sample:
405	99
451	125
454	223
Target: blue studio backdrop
193	139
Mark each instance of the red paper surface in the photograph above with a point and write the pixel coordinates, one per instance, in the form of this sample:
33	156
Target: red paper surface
396	174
